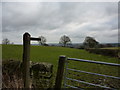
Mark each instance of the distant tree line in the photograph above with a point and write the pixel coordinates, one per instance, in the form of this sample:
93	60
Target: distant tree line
65	40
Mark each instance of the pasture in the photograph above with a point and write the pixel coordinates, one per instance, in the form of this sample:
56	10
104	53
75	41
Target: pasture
51	55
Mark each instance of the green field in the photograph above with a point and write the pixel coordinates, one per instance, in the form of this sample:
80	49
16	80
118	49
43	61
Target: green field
51	55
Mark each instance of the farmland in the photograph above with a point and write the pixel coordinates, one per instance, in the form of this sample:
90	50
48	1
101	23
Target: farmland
51	55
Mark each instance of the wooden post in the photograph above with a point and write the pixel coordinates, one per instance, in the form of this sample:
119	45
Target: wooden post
60	72
26	59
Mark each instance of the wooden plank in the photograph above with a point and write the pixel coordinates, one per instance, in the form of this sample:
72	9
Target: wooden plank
60	72
36	39
26	59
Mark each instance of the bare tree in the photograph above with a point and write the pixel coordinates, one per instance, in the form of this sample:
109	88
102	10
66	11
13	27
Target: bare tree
42	41
90	42
5	41
64	40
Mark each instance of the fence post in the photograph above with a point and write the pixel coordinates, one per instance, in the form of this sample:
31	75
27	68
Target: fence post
60	72
26	59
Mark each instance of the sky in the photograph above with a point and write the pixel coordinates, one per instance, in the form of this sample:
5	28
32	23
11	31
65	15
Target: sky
55	19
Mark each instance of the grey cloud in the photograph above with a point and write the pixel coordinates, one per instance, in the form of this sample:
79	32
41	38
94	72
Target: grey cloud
55	19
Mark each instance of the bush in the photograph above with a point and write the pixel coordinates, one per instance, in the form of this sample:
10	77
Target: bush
106	52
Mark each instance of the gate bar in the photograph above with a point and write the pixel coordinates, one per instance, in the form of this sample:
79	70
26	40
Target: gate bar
88	83
93	73
97	62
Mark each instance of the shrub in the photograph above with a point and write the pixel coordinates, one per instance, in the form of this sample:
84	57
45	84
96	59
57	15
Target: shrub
106	52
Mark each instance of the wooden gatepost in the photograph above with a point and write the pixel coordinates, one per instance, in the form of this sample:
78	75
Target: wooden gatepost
26	57
60	71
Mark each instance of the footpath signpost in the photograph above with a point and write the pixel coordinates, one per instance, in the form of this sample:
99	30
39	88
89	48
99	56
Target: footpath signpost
26	57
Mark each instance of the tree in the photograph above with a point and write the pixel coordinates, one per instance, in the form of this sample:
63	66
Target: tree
5	41
42	41
90	42
64	40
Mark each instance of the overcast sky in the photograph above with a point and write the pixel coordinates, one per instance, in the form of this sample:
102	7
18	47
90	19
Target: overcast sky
54	19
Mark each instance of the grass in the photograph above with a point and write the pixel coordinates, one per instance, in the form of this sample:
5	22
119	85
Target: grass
51	55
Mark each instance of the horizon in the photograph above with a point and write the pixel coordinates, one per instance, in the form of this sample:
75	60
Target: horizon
53	43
